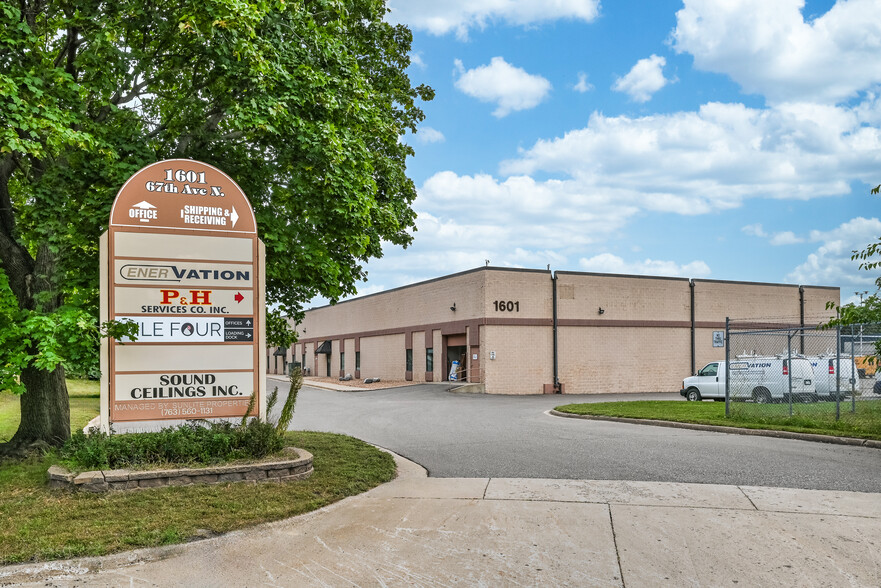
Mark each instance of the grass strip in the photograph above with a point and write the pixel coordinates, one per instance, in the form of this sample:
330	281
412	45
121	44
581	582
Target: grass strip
84	397
817	418
40	524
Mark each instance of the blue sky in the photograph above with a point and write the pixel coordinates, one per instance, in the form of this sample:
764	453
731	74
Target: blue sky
732	140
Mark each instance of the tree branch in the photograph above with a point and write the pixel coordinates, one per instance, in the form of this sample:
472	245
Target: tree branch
71	53
69	45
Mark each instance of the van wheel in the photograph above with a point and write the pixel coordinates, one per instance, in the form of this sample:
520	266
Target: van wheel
693	395
761	396
877	387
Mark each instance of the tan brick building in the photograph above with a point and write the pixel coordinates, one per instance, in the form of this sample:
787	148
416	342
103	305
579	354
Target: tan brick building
518	331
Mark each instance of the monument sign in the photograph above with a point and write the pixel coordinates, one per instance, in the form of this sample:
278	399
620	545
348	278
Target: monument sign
181	258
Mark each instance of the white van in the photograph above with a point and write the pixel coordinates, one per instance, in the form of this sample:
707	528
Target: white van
759	379
826	373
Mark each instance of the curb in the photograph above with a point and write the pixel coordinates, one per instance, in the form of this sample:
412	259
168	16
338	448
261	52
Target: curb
731	430
321	385
298	466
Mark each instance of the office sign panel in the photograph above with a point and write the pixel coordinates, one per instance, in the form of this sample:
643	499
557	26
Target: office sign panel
182	260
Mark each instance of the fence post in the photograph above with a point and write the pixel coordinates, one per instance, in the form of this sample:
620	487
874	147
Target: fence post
837	368
789	364
727	362
852	368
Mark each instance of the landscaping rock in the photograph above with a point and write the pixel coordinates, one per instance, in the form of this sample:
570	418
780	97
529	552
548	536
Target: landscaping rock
116	475
60	474
297	467
89	478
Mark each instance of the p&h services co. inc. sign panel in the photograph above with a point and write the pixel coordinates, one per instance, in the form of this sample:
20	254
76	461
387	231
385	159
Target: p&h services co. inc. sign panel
182	260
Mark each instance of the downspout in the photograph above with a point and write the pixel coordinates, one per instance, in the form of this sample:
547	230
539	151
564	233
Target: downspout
554	299
801	316
691	289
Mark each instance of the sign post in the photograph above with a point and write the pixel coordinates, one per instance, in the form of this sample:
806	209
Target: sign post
181	258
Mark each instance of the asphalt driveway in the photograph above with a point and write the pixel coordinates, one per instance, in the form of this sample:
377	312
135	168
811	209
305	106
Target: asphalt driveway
492	436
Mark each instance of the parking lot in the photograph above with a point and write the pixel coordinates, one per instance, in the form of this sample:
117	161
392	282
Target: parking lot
474	435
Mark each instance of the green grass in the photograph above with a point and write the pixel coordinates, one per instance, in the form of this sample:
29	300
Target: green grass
84	406
9	414
38	524
41	524
817	418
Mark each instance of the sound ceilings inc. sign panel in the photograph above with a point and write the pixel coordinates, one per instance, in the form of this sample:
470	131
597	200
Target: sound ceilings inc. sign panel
182	259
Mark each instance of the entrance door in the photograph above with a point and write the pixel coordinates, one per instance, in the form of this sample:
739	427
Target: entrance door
457	353
455	349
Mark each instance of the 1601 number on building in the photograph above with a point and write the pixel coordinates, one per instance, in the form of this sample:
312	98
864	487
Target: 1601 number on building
507	305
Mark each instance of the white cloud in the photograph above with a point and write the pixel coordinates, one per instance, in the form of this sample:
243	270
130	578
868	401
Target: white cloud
782	238
429	135
785	238
608	263
516	212
831	262
511	88
768	48
440	18
416	59
583	85
712	159
755	230
643	80
596	180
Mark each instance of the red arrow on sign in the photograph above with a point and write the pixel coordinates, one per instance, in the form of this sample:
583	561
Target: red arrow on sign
239	297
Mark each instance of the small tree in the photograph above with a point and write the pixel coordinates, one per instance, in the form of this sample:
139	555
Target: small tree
869	309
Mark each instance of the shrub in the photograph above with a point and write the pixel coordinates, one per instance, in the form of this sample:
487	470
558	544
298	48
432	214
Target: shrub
199	442
196	442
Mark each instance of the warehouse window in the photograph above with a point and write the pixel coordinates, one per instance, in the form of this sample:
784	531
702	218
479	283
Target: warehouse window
429	360
342	360
409	360
358	361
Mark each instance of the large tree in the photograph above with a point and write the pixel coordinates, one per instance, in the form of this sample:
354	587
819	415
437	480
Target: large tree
304	103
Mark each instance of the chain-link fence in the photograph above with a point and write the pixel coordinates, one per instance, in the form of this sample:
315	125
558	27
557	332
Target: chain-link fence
817	375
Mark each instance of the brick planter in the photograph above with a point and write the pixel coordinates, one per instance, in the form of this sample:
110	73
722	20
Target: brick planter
285	470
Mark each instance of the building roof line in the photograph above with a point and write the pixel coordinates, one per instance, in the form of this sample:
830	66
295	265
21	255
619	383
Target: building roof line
429	281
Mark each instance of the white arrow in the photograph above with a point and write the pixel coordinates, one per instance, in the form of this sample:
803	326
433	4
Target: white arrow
234	216
248	322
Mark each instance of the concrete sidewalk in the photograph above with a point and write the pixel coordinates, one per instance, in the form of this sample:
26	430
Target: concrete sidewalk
495	532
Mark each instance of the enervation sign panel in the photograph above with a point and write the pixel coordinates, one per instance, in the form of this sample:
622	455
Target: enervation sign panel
182	260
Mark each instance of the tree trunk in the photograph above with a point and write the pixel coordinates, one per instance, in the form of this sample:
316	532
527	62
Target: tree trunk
45	410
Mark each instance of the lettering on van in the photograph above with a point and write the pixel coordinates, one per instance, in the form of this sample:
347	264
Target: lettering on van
174	273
